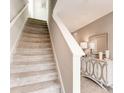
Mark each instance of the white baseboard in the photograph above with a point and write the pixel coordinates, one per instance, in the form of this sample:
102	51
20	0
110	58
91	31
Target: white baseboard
56	60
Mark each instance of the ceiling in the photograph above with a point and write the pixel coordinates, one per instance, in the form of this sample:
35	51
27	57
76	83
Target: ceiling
79	13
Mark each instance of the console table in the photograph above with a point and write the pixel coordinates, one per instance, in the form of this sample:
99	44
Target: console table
101	71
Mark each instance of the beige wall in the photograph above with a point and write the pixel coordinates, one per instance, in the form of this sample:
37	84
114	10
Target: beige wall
17	27
64	57
102	25
66	51
16	6
51	5
61	50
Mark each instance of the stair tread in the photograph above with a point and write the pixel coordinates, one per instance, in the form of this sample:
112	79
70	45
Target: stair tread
32	66
33	53
34	63
31	56
33	43
36	29
40	40
36	41
32	20
33	49
34	60
34	32
41	43
24	78
37	32
35	46
32	73
36	87
34	35
36	49
37	25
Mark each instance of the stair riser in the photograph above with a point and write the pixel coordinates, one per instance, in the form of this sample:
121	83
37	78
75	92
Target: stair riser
33	52
32	56
32	60
40	25
37	40
38	57
29	44
52	88
35	21
37	26
42	37
30	50
35	31
33	79
34	47
26	53
49	90
29	68
49	62
34	44
34	35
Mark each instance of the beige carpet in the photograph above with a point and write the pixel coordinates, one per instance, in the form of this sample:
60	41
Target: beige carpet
89	86
33	69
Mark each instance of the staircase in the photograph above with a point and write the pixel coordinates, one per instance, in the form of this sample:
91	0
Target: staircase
33	69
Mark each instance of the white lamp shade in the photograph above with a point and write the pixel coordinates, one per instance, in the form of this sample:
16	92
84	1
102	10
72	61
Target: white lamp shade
107	54
83	45
92	45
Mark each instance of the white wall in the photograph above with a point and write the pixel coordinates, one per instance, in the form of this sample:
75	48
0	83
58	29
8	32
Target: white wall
76	14
100	26
17	27
40	9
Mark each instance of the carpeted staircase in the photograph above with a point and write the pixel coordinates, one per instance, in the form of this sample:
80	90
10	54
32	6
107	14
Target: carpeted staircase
33	69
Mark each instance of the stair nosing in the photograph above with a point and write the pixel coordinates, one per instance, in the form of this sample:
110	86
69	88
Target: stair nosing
43	85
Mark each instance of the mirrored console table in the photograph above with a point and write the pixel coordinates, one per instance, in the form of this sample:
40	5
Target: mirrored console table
100	71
